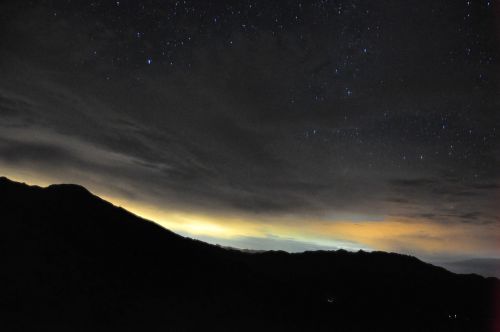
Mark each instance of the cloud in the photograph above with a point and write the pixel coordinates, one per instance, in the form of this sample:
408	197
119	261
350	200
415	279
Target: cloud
262	129
184	150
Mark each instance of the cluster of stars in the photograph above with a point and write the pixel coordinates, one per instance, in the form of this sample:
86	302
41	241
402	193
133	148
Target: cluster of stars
347	64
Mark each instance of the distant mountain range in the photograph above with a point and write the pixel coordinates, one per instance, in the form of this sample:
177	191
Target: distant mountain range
483	266
74	262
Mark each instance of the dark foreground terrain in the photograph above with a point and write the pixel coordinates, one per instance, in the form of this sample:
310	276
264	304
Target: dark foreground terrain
73	262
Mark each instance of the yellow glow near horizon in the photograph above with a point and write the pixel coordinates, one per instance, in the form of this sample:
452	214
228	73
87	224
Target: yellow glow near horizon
408	235
414	236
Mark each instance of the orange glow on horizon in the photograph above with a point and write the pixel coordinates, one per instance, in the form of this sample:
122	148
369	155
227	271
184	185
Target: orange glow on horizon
413	236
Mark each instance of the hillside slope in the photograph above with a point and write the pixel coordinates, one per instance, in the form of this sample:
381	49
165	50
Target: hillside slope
73	262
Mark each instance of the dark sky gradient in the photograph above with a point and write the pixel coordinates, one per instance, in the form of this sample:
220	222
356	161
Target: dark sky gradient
295	113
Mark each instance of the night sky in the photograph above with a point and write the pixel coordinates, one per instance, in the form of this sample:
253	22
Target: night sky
265	124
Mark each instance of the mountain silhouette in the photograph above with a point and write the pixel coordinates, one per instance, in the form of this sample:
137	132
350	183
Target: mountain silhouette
74	262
